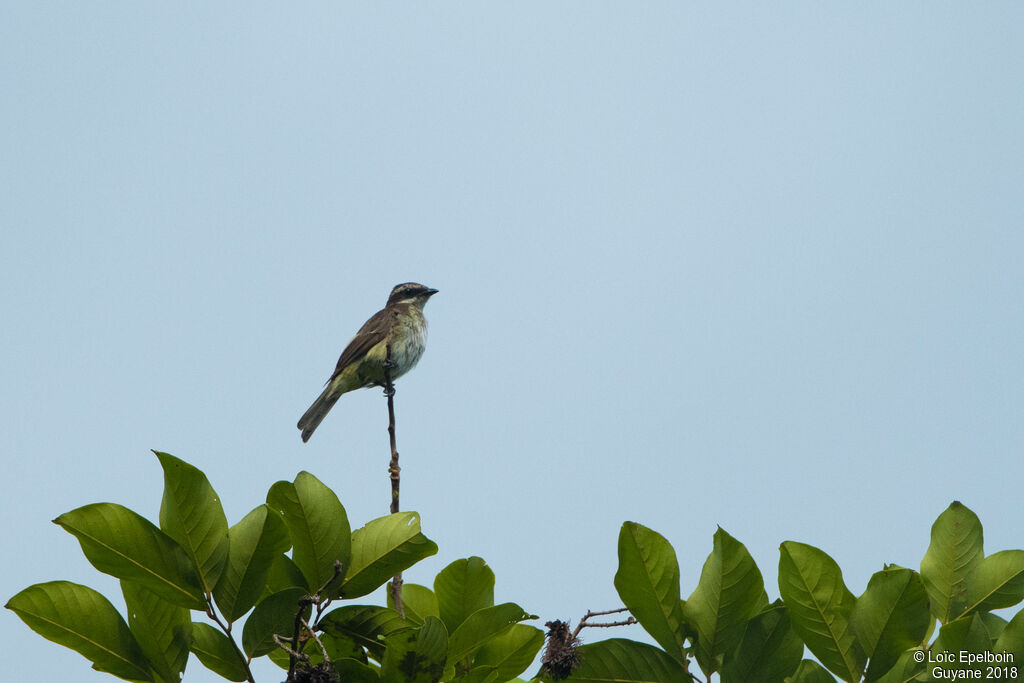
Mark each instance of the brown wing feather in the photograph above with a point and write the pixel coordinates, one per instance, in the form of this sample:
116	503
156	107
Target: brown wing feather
369	335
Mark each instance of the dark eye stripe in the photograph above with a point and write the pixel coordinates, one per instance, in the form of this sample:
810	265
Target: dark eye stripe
406	291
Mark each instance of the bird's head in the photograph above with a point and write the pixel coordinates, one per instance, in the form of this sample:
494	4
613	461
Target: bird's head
411	293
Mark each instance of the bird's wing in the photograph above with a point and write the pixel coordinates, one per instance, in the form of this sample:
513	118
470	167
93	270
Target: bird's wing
369	335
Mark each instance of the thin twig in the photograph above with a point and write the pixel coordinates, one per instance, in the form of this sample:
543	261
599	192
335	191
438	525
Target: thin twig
389	391
318	598
293	652
394	471
327	660
591	613
584	623
282	643
212	613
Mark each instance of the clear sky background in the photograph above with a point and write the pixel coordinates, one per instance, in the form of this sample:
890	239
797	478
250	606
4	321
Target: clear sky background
757	266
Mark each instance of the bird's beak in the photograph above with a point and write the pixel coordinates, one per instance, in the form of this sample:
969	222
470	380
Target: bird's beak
431	292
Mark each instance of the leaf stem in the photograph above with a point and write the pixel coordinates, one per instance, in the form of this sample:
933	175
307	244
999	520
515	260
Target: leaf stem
212	613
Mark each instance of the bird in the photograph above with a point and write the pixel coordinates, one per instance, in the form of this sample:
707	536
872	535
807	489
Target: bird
402	325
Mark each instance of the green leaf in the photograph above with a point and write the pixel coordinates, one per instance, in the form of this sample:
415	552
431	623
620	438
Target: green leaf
383	548
462	588
274	614
726	598
996	582
968	633
954	552
621	660
191	514
905	670
256	542
82	619
284	573
1011	640
890	617
162	630
768	652
482	625
506	655
648	583
337	646
216	652
317	524
417	655
418	602
367	625
354	671
819	604
121	543
994	624
810	672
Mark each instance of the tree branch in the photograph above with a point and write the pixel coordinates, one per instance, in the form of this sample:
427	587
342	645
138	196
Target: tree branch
394	471
212	613
584	623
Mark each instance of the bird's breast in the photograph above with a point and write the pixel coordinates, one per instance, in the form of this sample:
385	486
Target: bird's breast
408	341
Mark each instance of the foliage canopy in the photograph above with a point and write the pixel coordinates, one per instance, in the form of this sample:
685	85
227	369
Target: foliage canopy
293	565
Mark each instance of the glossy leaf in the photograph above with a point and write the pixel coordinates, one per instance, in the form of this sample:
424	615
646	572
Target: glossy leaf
354	671
994	623
416	655
367	625
121	543
906	669
256	542
819	604
1012	638
648	583
191	514
283	573
317	524
955	550
482	625
768	652
274	614
997	581
810	672
463	587
337	646
162	630
80	618
890	617
727	596
506	655
383	548
215	651
968	633
621	660
418	602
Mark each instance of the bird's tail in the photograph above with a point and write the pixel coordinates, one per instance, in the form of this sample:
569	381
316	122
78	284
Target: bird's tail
317	412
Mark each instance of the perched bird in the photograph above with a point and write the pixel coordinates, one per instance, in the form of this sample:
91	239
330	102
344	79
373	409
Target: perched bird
402	325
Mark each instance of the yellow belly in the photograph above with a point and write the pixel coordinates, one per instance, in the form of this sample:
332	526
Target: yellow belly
408	342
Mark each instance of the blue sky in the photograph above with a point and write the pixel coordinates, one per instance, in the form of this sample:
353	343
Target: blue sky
748	266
